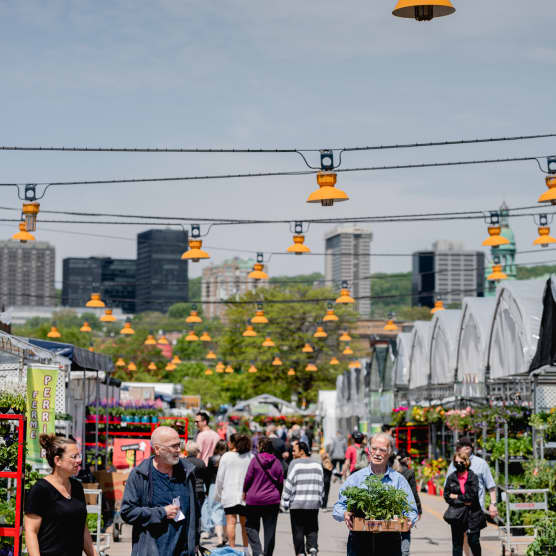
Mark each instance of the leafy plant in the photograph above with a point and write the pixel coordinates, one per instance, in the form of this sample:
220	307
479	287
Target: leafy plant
545	543
376	500
517	447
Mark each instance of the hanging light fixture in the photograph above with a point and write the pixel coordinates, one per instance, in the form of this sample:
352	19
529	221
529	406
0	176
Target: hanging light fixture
150	341
258	269
30	210
330	315
276	361
151	366
252	368
95	301
391	326
347	351
334	361
191	336
327	193
544	238
210	355
307	348
176	360
291	372
320	333
259	317
497	272
170	366
127	330
108	316
193	317
354	364
162	340
131	366
298	246
311	367
23	236
53	333
219	367
249	332
550	195
85	327
423	10
438	306
345	337
268	342
345	296
494	238
195	253
229	369
208	372
205	337
91	347
120	362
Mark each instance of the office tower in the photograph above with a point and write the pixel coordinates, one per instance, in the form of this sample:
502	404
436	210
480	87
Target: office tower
220	282
161	272
448	272
114	279
348	257
27	273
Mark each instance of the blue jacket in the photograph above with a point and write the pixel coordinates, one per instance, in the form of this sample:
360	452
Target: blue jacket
138	511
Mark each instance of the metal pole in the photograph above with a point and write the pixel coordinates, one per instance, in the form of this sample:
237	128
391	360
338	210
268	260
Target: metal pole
443	440
97	396
109	397
84	424
483	451
506	455
434	445
497	462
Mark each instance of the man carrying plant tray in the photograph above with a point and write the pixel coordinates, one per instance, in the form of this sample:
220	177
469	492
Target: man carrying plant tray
382	498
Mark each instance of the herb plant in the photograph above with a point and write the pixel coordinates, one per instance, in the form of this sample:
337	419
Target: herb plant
376	500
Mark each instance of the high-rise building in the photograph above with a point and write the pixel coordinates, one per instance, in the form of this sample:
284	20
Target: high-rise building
114	279
27	273
448	272
161	272
220	282
348	257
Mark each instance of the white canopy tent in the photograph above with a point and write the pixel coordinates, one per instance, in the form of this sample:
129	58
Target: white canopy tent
443	346
401	363
419	354
515	326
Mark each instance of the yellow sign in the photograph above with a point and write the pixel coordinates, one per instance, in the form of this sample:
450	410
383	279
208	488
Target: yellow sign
41	409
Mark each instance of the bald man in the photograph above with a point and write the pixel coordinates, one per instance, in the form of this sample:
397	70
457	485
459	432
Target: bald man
160	501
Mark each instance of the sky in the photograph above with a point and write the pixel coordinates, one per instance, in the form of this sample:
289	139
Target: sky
275	75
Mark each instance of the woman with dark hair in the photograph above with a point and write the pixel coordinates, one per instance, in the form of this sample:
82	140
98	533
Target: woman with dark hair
262	490
55	519
229	484
465	514
212	514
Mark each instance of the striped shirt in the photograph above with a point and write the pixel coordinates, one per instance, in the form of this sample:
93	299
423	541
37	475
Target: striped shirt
304	485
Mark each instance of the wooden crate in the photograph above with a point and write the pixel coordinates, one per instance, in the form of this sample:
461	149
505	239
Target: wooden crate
381	526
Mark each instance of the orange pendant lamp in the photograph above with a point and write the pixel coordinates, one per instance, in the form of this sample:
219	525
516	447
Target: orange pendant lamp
150	341
544	239
334	361
391	326
330	315
311	367
132	366
347	351
85	327
191	337
151	366
550	195
170	366
205	337
276	361
258	272
291	372
162	340
195	253
53	333
193	317
219	367
95	301
494	238
354	364
345	337
108	316
327	193
320	333
345	296
127	330
210	355
438	306
249	332
229	369
252	369
259	317
307	348
176	360
120	362
23	236
298	246
497	272
423	10
268	342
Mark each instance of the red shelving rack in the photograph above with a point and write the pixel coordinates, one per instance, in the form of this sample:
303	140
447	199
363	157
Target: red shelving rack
19	476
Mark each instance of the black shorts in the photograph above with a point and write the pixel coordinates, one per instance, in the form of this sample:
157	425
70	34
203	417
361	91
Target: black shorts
238	509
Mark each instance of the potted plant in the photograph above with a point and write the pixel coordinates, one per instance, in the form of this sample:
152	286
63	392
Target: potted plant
377	507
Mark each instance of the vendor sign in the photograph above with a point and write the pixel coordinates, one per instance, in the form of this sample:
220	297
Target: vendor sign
41	409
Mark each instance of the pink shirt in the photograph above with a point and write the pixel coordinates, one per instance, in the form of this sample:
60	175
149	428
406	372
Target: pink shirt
207	441
462	478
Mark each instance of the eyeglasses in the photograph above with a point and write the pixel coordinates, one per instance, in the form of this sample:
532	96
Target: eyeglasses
176	446
75	457
379	450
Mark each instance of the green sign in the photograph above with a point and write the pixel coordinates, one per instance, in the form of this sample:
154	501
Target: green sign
41	409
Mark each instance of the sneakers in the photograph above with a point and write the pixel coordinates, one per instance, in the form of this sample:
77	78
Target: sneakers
312	552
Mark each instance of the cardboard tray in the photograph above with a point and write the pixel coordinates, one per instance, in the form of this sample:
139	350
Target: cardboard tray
381	526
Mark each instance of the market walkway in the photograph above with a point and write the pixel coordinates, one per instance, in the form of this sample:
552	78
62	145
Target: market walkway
432	534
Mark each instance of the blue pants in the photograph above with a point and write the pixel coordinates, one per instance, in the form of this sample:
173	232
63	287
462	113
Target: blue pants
212	513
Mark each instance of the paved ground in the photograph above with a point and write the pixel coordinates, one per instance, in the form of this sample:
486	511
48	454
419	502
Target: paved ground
431	536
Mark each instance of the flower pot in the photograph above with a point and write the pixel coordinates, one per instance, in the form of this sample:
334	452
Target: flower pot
431	488
154	419
145	419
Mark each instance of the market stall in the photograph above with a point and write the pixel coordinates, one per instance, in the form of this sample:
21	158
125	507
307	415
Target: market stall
419	362
401	369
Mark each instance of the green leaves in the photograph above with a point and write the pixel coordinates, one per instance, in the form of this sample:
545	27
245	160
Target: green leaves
376	500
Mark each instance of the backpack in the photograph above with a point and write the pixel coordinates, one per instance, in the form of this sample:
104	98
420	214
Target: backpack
362	461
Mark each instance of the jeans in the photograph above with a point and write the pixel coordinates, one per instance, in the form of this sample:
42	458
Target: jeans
305	525
269	515
339	463
374	544
473	539
212	513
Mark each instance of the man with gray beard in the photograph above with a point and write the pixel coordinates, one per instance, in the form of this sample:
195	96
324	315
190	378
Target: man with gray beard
160	502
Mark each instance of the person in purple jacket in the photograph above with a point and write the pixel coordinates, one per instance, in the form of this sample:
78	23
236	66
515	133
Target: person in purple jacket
262	490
